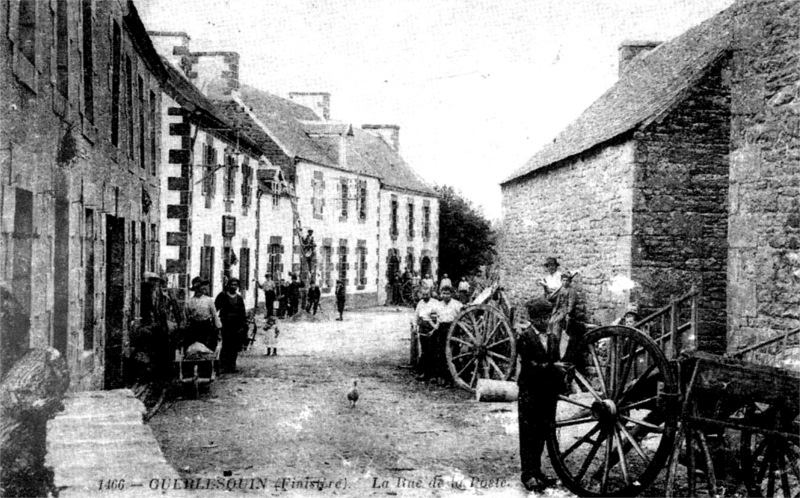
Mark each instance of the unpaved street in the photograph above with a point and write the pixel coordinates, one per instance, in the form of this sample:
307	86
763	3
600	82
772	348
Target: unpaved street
285	421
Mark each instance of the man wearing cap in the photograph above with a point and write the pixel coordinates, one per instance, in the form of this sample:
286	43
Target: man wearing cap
269	294
158	312
203	323
234	324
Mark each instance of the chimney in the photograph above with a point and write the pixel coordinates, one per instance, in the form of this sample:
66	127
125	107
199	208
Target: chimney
216	74
172	45
389	133
631	48
319	102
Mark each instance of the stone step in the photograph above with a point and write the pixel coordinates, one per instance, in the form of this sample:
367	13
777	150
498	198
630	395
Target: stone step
101	435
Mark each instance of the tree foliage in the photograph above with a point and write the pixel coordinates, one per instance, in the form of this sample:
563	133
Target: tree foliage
466	238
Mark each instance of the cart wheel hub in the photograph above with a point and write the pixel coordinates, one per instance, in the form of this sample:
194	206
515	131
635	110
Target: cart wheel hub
604	411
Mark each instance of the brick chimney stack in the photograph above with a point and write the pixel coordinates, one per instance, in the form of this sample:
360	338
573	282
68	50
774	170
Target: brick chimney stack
388	132
216	74
319	102
172	45
631	48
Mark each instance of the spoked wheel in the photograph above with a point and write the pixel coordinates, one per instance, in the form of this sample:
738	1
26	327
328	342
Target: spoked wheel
770	462
410	294
613	438
480	345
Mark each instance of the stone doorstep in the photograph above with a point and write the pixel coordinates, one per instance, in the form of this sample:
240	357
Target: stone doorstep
102	417
88	478
131	449
98	434
80	405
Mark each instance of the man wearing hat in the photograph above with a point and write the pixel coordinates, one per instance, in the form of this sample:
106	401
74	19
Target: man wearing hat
203	323
234	324
541	380
542	307
160	315
269	294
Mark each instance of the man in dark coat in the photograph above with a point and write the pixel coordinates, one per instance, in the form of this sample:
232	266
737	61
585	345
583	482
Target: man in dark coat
294	295
314	295
230	306
282	294
341	297
540	381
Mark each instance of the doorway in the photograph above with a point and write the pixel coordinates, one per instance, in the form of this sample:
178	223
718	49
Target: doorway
115	300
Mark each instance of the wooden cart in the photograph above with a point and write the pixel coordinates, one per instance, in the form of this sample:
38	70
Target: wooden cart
481	343
196	372
645	406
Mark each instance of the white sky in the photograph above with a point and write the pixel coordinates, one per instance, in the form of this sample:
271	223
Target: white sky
475	85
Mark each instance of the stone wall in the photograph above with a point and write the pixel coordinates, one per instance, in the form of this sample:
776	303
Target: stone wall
62	175
764	227
680	204
579	212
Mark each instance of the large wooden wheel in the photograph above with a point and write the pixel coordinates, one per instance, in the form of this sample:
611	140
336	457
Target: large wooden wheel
770	461
480	345
614	437
410	294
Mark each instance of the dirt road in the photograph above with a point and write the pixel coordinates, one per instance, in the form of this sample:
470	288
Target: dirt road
283	425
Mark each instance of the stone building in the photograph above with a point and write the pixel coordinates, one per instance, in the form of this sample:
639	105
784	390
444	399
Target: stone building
79	197
211	205
764	219
340	175
659	180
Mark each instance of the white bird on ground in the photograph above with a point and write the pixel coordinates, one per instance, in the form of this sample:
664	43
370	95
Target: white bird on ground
352	394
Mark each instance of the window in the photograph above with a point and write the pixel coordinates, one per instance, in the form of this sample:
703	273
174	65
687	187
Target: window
426	221
207	266
142	155
343	199
88	62
210	172
116	68
88	279
275	250
244	268
247	182
153	128
26	32
362	200
361	270
62	48
393	229
153	247
318	195
327	252
230	177
134	279
343	265
129	102
410	219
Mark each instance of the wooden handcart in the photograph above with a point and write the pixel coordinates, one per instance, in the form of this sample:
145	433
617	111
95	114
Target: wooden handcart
645	406
196	372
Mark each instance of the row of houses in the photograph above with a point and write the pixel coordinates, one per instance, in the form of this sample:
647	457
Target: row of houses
123	151
683	173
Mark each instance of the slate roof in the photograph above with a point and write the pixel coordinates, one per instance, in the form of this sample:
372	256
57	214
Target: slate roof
203	109
282	119
651	85
300	132
386	163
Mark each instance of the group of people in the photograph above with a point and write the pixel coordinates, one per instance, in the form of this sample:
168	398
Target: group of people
432	319
398	281
292	296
